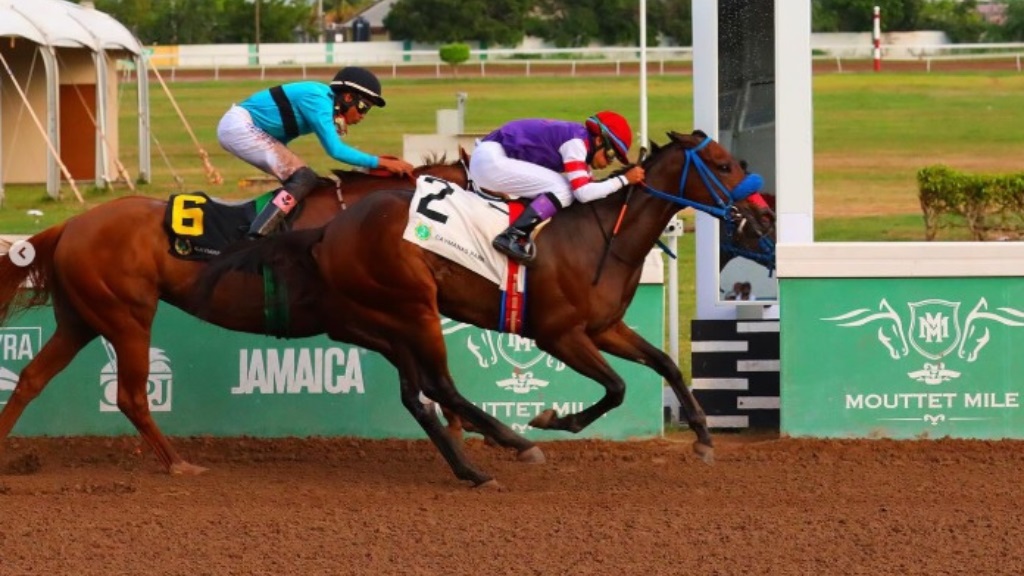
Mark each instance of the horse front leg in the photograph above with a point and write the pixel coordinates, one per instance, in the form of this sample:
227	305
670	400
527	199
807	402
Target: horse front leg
579	352
133	400
622	341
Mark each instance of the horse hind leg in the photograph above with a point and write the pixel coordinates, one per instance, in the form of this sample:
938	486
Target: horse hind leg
133	401
68	339
439	387
625	343
457	427
446	444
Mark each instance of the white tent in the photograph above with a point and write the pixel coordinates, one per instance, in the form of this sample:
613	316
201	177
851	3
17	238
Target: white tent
59	66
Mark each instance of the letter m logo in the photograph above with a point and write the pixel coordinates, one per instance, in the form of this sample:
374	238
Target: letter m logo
934	327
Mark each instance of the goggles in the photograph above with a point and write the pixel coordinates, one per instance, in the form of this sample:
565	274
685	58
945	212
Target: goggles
362	106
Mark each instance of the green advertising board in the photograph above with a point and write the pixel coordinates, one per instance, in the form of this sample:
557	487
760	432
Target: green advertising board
903	357
205	380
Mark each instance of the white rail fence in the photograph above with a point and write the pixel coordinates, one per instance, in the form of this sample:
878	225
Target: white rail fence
191	63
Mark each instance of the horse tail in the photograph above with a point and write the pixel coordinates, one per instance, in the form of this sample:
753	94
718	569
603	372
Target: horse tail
38	275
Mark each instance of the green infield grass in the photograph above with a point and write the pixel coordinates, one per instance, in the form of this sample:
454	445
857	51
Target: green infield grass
872	133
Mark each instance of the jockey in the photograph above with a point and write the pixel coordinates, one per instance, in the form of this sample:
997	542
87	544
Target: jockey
550	161
259	129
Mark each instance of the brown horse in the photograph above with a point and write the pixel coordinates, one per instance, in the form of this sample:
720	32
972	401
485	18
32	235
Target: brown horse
378	291
106	270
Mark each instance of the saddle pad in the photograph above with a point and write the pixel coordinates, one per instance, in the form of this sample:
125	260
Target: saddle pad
458	225
200	227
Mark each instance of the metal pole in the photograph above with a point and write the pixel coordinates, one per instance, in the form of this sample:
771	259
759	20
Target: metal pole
257	32
320	21
643	72
3	194
876	37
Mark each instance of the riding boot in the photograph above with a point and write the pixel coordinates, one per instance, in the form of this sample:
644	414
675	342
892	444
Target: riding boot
296	187
514	241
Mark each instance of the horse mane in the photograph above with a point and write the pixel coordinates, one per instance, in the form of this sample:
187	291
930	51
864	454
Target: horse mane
433	160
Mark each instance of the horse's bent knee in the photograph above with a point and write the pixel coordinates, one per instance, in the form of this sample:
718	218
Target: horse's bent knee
616	394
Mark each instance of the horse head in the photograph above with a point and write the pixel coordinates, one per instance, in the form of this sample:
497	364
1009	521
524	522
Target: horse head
694	171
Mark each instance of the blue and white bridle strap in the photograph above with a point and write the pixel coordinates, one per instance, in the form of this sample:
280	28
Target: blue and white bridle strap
724	198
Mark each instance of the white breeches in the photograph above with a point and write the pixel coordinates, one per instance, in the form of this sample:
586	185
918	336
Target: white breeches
493	170
238	135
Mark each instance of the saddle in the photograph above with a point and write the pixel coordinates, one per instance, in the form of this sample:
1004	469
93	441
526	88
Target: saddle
200	227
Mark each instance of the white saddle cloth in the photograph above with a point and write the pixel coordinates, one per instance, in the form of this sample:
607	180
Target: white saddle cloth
458	225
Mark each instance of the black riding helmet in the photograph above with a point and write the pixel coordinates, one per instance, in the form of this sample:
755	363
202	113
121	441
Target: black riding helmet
358	81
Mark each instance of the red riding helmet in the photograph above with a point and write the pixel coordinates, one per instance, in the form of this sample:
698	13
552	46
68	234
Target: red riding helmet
615	130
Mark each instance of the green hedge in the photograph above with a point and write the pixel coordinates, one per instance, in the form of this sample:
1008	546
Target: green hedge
992	207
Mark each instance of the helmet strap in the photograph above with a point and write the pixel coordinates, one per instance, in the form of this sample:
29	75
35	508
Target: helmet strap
340	106
592	149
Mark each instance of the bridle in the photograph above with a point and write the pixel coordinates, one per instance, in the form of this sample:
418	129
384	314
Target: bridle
724	207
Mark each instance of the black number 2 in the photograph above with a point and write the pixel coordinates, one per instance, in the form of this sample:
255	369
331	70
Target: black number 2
423	207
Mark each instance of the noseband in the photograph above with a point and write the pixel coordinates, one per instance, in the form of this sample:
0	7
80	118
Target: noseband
724	208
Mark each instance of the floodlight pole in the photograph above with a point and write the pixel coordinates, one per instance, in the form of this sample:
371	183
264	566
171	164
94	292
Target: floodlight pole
257	31
320	21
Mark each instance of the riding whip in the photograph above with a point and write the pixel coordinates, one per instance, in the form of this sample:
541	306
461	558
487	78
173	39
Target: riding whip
618	223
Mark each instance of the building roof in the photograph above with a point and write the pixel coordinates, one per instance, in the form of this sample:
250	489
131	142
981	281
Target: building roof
374	14
64	24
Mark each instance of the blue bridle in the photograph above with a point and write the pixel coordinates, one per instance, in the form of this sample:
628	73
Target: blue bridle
724	208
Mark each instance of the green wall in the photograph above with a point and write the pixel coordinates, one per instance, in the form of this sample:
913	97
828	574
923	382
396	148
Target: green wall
914	357
206	380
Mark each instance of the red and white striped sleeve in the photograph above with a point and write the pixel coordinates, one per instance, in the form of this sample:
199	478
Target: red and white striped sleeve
584	188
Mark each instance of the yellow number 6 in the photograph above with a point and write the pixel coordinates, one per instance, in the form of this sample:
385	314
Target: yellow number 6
186	216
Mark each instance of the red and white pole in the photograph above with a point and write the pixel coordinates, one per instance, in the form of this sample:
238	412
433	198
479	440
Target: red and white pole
876	37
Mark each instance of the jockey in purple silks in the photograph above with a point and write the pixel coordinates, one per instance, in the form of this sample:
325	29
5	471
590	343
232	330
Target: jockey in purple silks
550	161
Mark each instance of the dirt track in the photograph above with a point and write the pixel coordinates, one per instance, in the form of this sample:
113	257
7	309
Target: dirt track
303	507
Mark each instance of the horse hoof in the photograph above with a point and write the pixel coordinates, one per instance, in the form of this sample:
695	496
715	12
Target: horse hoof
544	419
704	452
491	485
532	455
186	469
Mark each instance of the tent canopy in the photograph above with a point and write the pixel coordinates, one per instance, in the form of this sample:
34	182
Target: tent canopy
64	24
77	137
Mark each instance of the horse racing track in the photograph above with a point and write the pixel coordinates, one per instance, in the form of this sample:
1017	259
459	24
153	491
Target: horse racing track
342	506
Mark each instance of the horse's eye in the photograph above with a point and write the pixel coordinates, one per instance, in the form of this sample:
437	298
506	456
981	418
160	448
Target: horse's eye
725	167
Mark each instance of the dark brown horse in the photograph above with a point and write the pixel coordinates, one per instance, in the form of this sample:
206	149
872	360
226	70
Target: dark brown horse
376	290
105	272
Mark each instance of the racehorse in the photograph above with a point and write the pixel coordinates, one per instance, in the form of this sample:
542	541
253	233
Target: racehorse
376	290
106	270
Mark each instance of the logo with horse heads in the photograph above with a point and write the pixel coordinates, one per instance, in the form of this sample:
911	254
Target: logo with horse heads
158	387
521	354
933	331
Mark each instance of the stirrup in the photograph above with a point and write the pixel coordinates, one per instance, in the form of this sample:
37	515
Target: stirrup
516	246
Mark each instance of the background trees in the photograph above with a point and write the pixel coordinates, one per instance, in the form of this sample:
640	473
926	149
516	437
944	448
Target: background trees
565	23
434	21
211	21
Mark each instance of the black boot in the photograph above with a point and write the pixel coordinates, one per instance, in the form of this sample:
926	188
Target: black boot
515	241
515	244
296	187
